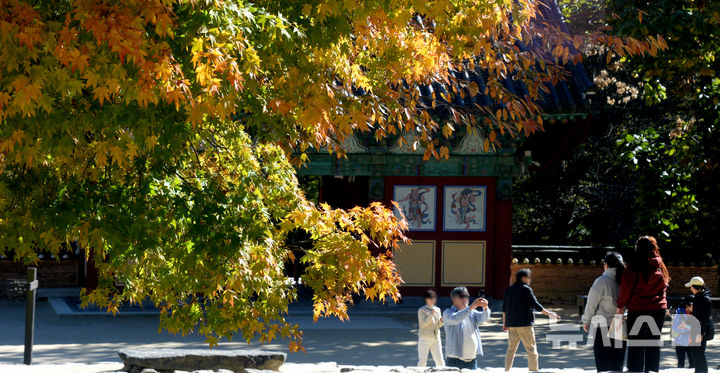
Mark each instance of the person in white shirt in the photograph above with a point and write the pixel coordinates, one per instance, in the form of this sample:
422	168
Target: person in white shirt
599	312
430	321
463	343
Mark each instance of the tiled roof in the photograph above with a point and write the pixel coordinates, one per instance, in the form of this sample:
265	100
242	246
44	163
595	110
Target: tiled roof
567	96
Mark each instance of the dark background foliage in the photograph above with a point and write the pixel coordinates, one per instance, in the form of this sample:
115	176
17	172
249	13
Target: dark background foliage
649	164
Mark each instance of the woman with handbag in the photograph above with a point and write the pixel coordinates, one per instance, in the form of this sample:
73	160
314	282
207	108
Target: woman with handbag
702	310
643	291
599	314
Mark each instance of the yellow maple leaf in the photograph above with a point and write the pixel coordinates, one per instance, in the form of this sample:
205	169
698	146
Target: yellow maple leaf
195	115
151	141
100	153
101	94
92	78
17	137
132	150
324	10
370	293
307	9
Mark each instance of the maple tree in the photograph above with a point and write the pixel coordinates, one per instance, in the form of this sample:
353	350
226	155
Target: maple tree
159	134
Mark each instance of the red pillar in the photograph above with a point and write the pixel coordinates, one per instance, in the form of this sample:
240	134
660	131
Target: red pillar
502	248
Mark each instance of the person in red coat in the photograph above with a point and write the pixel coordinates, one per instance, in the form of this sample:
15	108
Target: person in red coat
643	292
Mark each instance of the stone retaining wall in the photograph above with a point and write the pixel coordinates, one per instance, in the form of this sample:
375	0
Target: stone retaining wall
563	282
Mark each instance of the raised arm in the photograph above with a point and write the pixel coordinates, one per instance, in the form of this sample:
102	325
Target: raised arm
425	319
437	317
454	318
482	316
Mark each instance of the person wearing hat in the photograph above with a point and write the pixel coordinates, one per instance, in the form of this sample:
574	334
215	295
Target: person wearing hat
682	332
702	310
462	338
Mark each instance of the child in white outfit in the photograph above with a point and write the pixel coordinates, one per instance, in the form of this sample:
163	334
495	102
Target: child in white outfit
430	321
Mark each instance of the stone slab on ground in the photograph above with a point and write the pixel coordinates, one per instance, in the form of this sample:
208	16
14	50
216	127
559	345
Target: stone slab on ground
104	367
135	360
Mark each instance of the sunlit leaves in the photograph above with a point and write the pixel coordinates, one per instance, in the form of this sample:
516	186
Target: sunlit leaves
157	135
339	263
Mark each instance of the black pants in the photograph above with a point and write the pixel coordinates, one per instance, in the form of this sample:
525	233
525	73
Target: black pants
461	364
644	340
681	351
608	356
698	357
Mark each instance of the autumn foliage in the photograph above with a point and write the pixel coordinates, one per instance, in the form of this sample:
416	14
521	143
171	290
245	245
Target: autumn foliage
158	134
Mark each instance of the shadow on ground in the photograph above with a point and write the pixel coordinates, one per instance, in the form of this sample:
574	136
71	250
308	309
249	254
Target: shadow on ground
365	340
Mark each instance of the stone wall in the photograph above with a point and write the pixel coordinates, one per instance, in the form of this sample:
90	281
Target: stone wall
563	282
51	273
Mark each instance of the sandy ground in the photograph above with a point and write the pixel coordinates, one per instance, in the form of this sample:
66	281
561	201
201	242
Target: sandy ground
389	339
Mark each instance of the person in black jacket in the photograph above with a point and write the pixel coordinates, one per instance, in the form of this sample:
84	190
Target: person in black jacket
702	310
519	305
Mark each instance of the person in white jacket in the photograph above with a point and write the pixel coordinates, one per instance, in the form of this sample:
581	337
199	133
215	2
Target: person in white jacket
430	321
599	312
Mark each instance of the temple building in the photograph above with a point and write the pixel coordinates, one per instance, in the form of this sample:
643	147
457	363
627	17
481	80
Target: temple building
459	210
